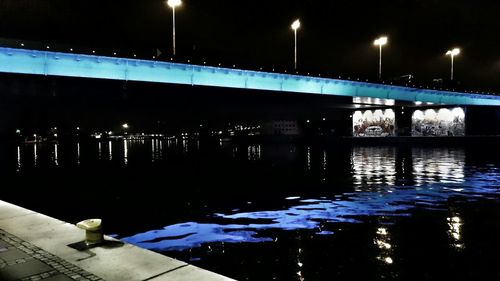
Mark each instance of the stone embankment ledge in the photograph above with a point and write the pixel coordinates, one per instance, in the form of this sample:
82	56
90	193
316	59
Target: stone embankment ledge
35	247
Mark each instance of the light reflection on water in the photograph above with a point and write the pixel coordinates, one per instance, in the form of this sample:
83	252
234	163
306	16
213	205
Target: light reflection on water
383	242
99	148
254	153
125	152
374	166
454	230
436	164
110	149
386	182
325	193
437	175
18	159
35	155
311	213
78	153
56	154
156	150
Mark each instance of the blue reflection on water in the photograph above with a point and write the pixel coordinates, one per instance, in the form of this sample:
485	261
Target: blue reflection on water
312	213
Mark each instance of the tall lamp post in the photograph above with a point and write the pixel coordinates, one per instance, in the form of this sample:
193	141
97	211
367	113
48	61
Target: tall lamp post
173	4
295	26
380	42
452	54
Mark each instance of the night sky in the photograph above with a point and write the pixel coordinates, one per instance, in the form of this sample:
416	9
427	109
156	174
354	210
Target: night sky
336	37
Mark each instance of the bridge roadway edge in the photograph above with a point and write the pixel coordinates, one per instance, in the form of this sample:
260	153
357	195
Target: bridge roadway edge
49	63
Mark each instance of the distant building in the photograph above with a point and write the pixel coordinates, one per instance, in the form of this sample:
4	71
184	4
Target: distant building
403	79
281	128
437	82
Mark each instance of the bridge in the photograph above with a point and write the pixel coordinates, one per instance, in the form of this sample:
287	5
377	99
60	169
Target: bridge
36	62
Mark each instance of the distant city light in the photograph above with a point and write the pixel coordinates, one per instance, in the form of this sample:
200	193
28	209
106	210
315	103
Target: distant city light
18	131
22	44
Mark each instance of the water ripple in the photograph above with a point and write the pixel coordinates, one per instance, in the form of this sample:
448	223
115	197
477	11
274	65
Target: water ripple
312	213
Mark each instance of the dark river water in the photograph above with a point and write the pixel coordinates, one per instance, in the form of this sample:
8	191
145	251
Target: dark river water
277	211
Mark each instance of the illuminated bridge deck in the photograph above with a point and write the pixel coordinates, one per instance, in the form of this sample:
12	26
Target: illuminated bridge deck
35	62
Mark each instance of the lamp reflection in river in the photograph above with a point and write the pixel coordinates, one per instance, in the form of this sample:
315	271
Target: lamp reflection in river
153	150
125	152
454	231
35	155
56	158
110	145
156	150
99	149
373	165
18	158
300	264
382	241
254	152
78	154
438	165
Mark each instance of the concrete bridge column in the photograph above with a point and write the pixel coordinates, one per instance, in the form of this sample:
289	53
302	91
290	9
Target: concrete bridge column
403	120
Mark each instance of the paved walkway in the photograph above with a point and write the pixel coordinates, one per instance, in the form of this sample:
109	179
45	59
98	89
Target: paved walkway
35	247
20	260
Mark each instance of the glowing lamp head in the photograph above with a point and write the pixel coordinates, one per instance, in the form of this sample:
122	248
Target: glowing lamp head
174	3
296	25
125	126
380	41
453	52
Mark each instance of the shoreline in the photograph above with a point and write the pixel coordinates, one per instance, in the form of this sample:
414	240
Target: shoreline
42	243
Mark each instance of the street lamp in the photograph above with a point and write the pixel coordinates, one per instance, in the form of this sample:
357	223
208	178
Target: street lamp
452	54
173	4
295	26
380	42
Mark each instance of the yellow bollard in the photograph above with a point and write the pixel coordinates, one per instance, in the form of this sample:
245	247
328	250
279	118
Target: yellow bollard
93	231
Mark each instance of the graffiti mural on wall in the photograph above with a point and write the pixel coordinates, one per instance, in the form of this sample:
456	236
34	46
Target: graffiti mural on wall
373	123
438	122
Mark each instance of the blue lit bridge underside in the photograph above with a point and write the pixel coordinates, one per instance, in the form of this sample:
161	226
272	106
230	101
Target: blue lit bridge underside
87	66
